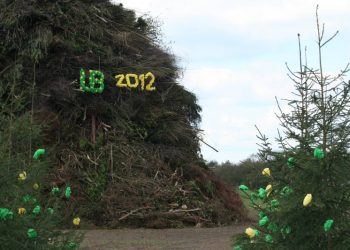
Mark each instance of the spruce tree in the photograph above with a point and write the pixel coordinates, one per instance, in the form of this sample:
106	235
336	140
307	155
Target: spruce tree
30	213
306	204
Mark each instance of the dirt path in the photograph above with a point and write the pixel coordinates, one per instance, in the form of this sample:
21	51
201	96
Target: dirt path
218	238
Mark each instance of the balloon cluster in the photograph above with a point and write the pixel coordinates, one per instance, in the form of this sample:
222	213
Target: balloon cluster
264	193
138	80
96	81
97	85
32	232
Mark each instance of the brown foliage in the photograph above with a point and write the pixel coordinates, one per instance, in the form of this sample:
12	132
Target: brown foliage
125	152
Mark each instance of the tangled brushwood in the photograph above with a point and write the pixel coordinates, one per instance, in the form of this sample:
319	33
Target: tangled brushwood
133	156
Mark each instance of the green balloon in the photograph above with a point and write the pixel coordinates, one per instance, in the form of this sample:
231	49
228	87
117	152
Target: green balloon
285	230
268	238
263	221
257	232
32	233
318	153
50	210
237	248
5	214
243	188
286	191
55	190
261	215
68	192
262	193
38	153
291	162
26	198
274	203
36	210
272	227
253	196
328	225
71	244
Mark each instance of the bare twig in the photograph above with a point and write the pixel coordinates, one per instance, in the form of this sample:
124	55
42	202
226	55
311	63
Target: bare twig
133	211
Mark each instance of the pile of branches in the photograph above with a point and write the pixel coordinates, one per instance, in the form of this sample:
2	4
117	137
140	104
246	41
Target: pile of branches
131	156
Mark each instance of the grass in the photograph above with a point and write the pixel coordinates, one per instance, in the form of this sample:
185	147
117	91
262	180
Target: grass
252	213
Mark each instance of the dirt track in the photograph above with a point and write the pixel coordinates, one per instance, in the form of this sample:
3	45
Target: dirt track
161	239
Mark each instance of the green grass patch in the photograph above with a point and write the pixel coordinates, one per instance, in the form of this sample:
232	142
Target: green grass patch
252	213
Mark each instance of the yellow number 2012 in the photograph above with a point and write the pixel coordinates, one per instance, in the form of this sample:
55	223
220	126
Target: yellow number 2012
134	80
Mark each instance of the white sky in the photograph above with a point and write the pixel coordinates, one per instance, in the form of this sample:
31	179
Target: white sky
233	53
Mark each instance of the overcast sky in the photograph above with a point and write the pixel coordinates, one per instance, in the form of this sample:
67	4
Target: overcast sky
233	54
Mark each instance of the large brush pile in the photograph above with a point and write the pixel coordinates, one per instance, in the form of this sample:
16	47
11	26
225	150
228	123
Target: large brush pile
131	156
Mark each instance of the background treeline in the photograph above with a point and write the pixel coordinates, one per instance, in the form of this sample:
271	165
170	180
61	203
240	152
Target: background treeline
245	172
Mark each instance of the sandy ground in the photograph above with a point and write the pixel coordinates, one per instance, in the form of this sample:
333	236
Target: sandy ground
218	238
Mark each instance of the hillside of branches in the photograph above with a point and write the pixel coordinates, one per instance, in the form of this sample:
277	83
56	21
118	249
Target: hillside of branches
132	157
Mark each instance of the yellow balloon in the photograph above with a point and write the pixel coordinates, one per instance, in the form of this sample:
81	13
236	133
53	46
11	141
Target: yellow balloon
22	176
76	221
36	186
21	210
250	232
268	189
307	200
266	172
